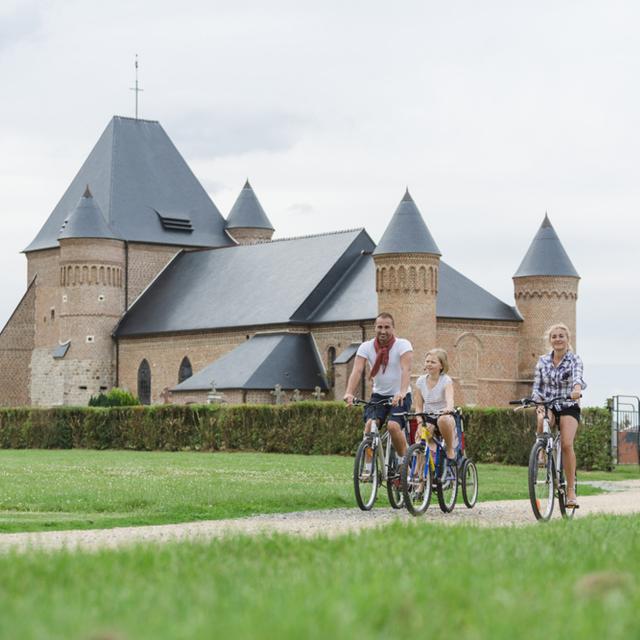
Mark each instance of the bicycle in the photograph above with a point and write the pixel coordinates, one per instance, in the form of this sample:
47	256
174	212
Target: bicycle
546	473
467	470
423	468
376	464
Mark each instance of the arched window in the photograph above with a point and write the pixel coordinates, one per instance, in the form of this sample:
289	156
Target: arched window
144	382
185	370
331	369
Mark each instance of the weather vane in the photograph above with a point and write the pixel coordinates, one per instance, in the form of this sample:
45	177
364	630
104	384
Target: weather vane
136	88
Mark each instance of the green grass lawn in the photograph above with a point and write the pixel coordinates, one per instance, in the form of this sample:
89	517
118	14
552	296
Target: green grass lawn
52	489
565	580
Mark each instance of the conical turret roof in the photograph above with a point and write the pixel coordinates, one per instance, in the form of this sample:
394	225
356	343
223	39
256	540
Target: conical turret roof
546	255
247	212
86	221
407	231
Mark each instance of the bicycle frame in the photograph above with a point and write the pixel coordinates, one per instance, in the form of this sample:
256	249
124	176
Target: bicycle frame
555	479
554	448
381	447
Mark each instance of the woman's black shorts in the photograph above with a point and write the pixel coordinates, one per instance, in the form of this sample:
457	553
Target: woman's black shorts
573	411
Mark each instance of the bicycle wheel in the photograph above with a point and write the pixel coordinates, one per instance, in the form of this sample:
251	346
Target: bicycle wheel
416	480
469	474
394	485
567	513
541	472
366	475
448	489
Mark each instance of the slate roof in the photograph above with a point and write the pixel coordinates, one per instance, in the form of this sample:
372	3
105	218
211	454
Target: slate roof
546	255
263	284
310	280
347	353
459	297
247	212
407	231
288	359
86	221
60	351
137	176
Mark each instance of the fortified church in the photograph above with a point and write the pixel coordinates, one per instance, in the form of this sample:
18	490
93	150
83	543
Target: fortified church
136	280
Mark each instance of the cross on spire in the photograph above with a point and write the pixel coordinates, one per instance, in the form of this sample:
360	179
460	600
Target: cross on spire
136	88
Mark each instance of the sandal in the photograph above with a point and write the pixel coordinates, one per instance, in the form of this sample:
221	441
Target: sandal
572	503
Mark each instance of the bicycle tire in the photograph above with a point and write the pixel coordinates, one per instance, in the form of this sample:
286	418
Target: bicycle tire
541	486
567	513
448	490
469	483
394	486
414	472
366	490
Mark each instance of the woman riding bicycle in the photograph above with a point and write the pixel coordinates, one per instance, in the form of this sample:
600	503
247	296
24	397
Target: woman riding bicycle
434	393
559	374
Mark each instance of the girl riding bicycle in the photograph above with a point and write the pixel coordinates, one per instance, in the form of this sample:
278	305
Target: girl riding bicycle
559	374
434	393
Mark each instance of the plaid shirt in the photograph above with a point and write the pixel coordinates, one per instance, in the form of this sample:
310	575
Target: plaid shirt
553	382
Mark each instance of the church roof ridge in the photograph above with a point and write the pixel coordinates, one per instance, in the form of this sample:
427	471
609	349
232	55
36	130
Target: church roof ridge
136	119
318	235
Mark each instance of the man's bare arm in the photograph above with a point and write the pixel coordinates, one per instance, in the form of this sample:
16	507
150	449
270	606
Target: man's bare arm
354	378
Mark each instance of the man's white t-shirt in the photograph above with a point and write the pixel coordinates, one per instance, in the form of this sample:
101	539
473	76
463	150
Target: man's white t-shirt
386	383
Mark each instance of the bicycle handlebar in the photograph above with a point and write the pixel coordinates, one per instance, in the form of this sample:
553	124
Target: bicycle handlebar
430	414
530	402
371	404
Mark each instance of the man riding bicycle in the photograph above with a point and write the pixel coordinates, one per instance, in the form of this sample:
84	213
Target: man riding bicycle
390	360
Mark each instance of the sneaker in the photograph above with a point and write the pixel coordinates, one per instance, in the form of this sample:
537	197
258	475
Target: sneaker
445	469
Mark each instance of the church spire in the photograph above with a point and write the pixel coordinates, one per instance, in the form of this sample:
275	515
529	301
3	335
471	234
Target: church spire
546	255
407	231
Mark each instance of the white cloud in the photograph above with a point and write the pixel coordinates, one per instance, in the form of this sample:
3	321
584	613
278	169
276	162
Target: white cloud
492	113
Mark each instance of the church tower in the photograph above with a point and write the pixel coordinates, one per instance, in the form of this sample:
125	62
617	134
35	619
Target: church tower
92	274
407	263
546	290
247	222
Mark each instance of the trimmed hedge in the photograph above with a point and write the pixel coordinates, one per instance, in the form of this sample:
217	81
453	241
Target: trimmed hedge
492	435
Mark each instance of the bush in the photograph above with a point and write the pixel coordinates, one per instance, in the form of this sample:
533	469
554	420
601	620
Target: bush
114	398
492	435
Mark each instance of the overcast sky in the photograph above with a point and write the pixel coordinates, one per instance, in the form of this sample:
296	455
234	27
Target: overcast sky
491	112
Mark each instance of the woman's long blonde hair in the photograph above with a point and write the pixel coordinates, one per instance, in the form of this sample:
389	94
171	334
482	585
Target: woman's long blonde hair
558	325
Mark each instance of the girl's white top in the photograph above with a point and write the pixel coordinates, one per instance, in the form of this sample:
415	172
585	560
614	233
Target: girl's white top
434	399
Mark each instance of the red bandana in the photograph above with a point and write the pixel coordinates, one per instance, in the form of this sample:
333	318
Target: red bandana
382	356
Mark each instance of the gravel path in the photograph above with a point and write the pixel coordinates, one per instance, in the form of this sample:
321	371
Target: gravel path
624	499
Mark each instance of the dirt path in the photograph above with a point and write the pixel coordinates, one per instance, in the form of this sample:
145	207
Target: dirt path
623	499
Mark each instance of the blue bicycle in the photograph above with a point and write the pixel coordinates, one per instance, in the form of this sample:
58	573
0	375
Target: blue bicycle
423	469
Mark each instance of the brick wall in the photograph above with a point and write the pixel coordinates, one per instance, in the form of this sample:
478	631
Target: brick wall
245	235
483	359
165	353
541	301
145	263
16	345
407	287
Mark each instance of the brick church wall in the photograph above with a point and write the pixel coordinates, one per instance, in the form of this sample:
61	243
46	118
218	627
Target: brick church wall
165	353
16	345
483	359
145	263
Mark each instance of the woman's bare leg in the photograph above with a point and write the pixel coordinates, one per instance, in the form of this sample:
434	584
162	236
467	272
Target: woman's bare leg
568	428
